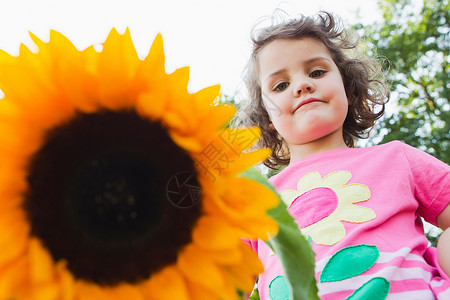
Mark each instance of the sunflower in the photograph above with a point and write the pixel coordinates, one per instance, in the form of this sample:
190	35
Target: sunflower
115	182
332	202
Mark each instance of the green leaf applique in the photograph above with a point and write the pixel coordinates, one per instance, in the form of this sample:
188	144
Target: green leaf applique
352	261
279	289
375	289
349	262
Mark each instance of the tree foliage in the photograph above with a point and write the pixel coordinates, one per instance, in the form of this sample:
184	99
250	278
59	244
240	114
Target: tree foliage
414	38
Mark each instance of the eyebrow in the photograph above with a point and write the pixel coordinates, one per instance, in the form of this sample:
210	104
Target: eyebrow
314	59
306	62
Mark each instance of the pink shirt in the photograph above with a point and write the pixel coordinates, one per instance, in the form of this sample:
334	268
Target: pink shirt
361	210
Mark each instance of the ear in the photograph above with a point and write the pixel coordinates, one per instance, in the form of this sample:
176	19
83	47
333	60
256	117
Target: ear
271	127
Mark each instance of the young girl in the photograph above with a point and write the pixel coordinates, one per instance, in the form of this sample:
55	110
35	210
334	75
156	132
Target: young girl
360	208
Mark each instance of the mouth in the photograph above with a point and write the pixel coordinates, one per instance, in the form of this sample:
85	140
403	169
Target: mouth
305	102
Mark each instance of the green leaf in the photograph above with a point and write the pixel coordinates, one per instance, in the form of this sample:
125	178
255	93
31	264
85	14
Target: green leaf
254	295
291	247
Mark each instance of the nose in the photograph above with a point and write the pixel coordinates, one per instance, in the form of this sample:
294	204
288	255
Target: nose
304	86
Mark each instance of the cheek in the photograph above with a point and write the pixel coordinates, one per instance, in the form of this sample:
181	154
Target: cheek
284	127
341	108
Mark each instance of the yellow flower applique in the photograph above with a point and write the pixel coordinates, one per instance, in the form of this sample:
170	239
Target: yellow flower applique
330	202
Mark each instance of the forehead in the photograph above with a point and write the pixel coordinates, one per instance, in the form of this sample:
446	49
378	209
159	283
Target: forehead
281	51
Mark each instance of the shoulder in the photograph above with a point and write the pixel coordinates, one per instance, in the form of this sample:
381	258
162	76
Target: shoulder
390	146
399	145
416	156
404	151
394	144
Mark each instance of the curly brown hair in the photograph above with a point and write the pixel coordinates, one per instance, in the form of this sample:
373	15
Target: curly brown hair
362	77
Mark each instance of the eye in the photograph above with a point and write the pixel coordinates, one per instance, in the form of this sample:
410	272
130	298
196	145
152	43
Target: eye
281	86
317	73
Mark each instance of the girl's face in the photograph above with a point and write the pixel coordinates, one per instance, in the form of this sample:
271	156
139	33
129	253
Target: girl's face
303	91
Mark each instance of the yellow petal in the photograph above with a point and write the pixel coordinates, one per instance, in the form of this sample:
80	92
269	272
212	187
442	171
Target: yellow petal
197	291
72	72
224	257
118	63
174	121
25	70
167	284
188	143
89	291
249	197
151	105
247	160
244	274
262	228
67	282
45	291
216	117
12	185
14	283
252	262
152	67
180	80
13	234
241	277
199	269
206	97
213	233
41	263
240	139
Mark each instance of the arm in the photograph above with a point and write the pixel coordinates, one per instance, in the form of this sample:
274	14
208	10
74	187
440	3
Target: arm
443	221
432	189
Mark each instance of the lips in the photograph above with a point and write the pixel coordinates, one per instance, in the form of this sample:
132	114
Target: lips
306	101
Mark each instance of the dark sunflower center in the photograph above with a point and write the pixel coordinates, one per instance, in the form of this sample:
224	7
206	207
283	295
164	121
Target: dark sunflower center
99	197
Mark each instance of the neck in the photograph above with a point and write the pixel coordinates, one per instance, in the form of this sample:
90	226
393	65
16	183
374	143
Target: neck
324	144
